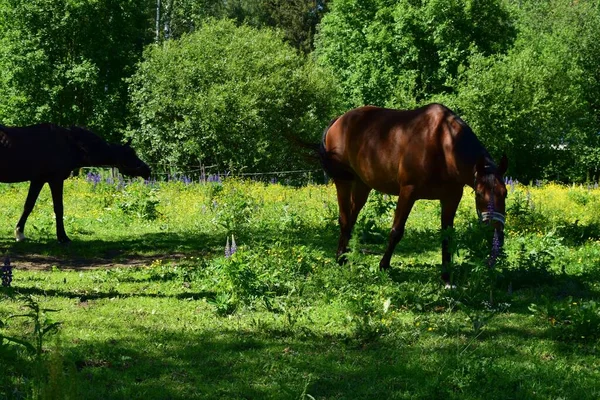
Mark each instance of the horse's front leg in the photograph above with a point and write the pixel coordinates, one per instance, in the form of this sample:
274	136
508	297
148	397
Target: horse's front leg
34	191
56	187
406	200
449	207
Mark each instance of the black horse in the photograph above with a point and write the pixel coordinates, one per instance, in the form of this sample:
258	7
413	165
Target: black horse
48	153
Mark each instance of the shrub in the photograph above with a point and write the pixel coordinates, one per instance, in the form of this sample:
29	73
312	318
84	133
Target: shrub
227	96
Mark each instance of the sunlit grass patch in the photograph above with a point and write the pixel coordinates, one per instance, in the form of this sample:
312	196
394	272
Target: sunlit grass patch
170	315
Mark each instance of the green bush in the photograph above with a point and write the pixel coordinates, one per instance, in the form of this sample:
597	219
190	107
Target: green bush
228	96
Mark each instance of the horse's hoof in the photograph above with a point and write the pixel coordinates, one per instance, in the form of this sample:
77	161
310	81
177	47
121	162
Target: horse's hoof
449	286
383	266
20	236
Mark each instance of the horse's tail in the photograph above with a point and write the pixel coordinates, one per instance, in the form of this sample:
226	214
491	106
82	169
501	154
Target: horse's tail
332	167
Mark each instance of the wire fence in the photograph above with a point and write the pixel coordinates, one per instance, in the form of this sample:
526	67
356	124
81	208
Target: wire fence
211	174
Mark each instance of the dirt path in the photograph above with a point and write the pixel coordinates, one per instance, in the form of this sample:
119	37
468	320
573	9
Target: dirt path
40	262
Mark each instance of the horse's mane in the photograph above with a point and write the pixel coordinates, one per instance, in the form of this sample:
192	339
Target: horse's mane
470	149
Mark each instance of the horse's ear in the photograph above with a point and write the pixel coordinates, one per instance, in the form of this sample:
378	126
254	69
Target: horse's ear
503	165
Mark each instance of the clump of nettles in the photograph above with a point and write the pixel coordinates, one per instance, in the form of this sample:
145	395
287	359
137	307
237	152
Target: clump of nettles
6	272
230	249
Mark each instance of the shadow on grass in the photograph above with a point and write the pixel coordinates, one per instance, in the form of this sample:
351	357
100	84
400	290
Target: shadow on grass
247	364
142	249
575	234
85	295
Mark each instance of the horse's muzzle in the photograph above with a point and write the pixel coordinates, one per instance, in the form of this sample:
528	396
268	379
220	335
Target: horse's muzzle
141	171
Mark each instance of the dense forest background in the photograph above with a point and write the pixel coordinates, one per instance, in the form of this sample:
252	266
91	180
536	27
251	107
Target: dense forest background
223	83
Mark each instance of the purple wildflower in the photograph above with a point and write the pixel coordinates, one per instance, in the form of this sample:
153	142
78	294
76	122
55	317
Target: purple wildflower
233	245
511	183
530	201
120	182
6	272
495	250
150	181
214	178
93	178
227	249
186	179
230	249
273	180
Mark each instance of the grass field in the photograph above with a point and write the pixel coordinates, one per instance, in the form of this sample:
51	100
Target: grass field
150	307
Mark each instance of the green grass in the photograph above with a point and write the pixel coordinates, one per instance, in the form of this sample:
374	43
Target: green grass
151	309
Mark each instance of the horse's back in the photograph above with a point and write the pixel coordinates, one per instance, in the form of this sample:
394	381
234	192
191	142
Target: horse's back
32	152
386	148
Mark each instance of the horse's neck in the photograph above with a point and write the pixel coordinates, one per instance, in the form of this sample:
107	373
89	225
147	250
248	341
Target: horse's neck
468	150
100	156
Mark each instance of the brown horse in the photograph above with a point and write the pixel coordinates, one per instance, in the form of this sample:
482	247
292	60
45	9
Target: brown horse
47	153
427	153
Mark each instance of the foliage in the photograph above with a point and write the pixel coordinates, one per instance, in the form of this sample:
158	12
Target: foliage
220	93
534	103
399	53
570	319
139	200
63	61
194	105
233	205
522	74
42	327
297	19
379	206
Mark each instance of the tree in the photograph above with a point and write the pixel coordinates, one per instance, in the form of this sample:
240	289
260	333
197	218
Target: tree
297	19
227	96
398	53
539	102
64	61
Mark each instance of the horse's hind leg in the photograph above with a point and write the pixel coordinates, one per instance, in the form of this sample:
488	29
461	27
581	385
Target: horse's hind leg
360	194
56	187
34	191
344	193
352	196
405	202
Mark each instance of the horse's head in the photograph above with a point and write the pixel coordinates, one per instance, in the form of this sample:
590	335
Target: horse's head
128	162
490	194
